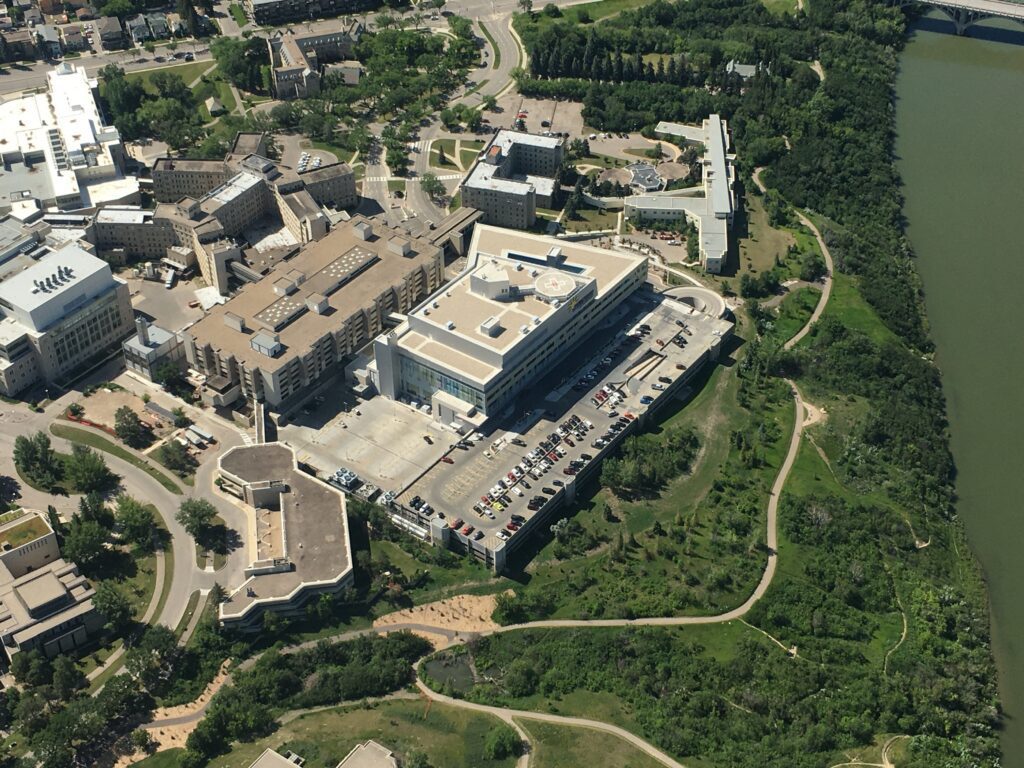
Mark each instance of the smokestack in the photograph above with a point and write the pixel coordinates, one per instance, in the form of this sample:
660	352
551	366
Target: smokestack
142	328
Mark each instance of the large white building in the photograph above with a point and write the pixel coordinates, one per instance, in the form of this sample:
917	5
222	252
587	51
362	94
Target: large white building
58	312
522	303
711	206
56	148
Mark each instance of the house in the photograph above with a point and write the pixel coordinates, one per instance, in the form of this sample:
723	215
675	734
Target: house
175	25
33	16
74	40
110	32
158	25
20	45
85	13
48	40
51	7
137	29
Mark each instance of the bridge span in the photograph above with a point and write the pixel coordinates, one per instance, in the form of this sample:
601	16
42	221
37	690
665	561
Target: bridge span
964	13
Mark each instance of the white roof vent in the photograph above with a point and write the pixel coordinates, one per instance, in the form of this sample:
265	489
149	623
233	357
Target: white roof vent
363	230
234	322
450	325
491	327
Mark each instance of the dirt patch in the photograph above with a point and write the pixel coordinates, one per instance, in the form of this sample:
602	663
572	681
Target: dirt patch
671	171
101	406
462	613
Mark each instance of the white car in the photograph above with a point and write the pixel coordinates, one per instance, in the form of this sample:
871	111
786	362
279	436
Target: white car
516	491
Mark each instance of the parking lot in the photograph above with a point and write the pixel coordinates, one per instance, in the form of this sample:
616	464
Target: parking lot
168	308
496	487
385	443
295	149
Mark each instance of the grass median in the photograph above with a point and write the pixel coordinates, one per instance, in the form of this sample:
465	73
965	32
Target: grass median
92	440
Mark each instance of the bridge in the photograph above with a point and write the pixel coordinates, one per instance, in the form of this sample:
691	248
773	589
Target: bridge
964	13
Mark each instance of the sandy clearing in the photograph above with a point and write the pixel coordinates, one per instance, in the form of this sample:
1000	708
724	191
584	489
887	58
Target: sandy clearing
462	613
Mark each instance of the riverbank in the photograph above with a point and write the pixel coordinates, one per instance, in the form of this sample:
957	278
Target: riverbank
960	158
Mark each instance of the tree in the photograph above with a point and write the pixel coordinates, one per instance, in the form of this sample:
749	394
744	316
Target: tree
170	376
136	522
67	677
240	60
433	186
92	507
149	46
490	102
35	458
114	606
85	543
526	6
142	740
31	668
76	410
176	457
195	516
87	470
152	660
181	419
501	741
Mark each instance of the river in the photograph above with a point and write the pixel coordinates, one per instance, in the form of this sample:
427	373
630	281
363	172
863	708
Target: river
960	127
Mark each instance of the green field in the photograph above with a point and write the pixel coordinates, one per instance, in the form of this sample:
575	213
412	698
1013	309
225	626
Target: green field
590	219
557	746
238	14
92	440
449	737
187	72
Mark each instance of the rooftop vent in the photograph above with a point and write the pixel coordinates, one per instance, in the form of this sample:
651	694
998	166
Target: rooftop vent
491	327
285	287
399	246
363	230
450	325
317	302
234	322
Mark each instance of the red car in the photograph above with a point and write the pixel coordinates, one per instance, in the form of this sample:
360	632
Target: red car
447	460
467	530
457	523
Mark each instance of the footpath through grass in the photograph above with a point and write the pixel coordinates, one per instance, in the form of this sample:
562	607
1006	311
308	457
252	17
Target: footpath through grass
559	746
83	437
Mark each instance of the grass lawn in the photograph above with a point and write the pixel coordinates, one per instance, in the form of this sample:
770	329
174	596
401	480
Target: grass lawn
441	581
218	558
226	96
456	201
764	243
557	746
476	88
238	14
166	759
592	11
396	185
779	7
847	305
343	155
590	219
190	609
93	440
794	311
468	152
187	72
447	146
450	737
495	50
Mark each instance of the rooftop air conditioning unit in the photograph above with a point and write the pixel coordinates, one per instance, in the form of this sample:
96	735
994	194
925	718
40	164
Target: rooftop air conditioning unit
450	325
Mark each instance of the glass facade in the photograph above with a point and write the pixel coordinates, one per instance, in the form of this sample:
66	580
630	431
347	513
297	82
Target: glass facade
422	382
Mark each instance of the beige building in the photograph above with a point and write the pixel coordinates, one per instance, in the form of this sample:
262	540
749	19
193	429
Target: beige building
278	338
369	754
298	61
207	205
45	603
58	313
123	233
515	174
297	542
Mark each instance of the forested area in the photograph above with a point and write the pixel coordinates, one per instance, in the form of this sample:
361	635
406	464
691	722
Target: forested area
850	563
